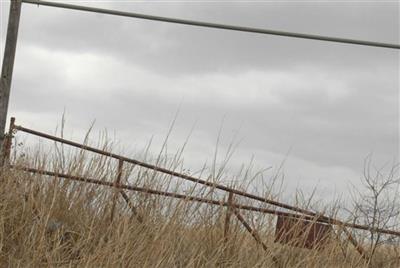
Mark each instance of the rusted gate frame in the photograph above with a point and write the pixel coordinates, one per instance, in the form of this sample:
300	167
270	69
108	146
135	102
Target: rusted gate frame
231	207
315	216
170	172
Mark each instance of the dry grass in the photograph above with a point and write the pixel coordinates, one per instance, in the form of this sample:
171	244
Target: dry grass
58	223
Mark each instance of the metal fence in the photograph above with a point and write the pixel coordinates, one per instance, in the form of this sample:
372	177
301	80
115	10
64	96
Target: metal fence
313	226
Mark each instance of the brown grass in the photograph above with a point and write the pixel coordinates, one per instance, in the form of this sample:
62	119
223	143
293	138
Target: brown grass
48	222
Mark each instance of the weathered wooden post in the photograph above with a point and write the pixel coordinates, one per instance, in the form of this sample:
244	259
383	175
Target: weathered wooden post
8	65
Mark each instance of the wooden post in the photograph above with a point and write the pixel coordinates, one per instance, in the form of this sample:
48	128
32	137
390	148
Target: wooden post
228	217
8	64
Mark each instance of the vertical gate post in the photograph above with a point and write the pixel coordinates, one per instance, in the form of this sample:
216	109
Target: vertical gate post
8	64
116	184
228	217
123	194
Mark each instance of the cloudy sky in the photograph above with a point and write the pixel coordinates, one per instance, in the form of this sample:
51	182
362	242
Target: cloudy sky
322	106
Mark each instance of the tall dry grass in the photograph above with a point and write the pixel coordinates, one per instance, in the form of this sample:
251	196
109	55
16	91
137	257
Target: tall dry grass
52	222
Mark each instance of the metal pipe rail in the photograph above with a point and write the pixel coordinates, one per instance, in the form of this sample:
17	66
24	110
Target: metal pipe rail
314	216
213	25
202	200
161	193
169	172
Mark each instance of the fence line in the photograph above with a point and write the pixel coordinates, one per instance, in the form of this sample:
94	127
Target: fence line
307	215
171	172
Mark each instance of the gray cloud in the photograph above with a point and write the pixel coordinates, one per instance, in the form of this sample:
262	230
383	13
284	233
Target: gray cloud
331	103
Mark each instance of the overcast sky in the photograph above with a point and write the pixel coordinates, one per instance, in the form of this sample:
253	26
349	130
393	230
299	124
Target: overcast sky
325	105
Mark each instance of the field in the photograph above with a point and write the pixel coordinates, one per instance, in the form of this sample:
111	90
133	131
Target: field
47	221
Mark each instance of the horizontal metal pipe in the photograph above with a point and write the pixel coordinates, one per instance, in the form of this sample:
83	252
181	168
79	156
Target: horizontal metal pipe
170	172
203	200
213	25
161	193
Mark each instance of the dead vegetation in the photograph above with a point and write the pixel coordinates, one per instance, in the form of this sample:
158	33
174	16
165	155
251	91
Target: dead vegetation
53	222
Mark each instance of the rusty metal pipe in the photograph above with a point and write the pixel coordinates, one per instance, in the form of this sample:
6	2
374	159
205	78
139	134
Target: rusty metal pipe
207	201
161	193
